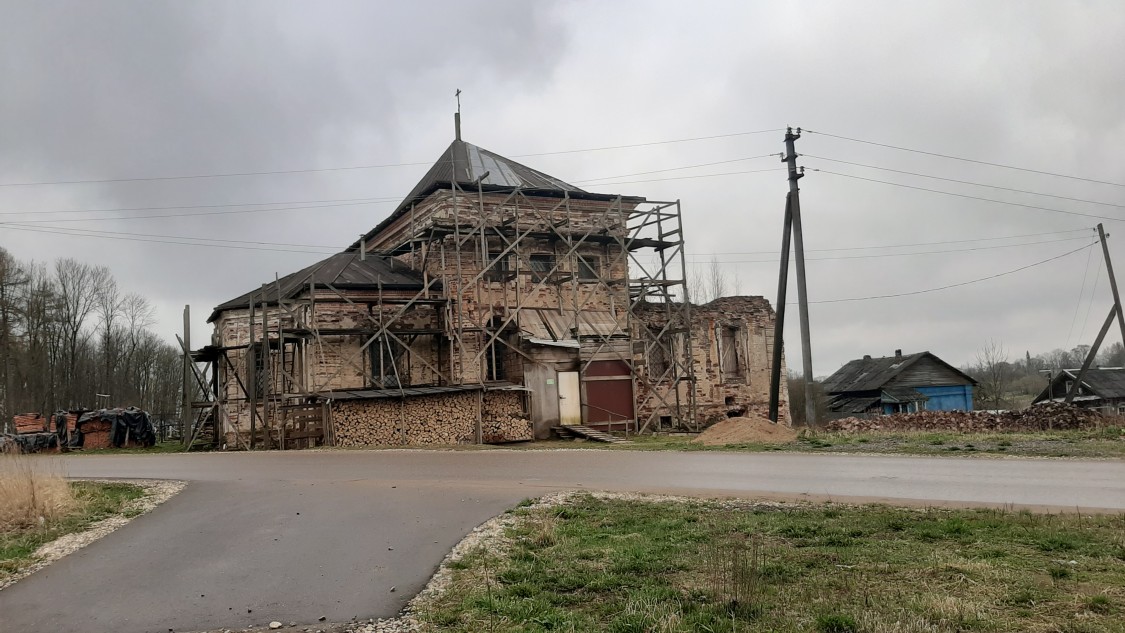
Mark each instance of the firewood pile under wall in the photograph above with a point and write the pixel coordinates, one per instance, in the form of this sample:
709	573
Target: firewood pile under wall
1041	417
435	419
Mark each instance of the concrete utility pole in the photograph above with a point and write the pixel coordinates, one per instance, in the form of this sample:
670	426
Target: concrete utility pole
1115	311
793	225
779	309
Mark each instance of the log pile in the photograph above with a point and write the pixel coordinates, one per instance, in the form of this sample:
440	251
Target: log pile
438	419
504	420
431	420
1041	417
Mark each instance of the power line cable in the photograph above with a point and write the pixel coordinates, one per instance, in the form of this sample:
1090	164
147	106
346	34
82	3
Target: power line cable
1081	296
861	248
966	182
159	241
956	285
358	167
967	160
96	233
881	255
201	206
658	171
962	195
1090	305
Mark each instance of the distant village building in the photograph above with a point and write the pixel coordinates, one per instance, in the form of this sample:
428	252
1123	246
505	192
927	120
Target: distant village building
494	303
898	384
1102	388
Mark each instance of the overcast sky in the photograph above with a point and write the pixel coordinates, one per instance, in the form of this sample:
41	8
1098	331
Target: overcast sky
119	90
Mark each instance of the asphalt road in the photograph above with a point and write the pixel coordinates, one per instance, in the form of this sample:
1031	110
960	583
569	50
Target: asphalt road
299	535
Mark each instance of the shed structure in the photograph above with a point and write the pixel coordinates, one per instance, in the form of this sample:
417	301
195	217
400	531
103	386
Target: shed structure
494	303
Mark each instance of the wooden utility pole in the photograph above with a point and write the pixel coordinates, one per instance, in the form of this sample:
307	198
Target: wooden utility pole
1115	311
779	309
185	404
793	228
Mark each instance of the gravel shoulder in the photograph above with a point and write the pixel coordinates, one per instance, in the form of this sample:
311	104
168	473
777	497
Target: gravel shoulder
156	492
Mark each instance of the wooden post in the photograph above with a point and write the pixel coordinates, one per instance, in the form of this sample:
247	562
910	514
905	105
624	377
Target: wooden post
185	405
480	417
252	376
1112	281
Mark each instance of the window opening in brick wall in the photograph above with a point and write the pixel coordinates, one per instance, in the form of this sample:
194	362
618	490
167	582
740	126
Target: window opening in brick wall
728	351
589	267
388	371
541	266
494	355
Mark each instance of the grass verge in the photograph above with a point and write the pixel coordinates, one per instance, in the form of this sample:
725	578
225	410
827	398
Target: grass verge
89	502
1106	442
598	563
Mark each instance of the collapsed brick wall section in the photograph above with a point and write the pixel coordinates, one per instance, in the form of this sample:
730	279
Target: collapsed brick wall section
732	351
428	420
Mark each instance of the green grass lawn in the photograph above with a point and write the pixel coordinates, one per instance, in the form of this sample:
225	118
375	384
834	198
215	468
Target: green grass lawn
617	565
96	501
1106	442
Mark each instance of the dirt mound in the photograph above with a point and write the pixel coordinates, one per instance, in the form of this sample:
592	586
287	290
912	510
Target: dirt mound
1040	417
746	431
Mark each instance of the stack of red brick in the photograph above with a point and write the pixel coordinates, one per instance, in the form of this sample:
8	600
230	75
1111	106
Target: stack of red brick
30	423
1041	417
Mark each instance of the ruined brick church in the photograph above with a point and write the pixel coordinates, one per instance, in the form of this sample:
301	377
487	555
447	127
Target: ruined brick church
494	303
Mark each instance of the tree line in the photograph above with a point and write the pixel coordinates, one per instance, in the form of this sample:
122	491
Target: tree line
68	333
1007	383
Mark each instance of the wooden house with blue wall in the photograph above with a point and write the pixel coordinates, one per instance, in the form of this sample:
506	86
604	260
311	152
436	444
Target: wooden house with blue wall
898	384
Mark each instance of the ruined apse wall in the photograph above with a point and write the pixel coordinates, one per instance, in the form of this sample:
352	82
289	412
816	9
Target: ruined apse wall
732	351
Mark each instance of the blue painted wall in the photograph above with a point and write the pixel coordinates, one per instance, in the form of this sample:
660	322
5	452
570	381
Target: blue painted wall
952	398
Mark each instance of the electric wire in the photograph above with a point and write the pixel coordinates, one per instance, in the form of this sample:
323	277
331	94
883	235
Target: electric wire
967	160
956	285
358	167
966	182
1081	296
967	196
882	255
1090	305
658	171
861	248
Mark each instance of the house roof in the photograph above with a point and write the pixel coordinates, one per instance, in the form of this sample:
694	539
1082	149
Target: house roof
464	163
342	270
1105	383
871	374
903	394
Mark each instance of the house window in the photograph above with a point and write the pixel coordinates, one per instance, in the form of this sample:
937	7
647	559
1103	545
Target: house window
388	371
1069	384
542	264
728	351
589	267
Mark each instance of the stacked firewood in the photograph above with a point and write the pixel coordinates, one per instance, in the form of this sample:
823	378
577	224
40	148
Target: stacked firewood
442	419
1041	417
438	419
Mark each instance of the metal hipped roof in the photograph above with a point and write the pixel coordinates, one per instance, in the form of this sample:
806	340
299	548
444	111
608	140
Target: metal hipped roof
342	270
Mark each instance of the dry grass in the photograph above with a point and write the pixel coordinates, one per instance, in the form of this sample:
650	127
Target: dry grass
32	492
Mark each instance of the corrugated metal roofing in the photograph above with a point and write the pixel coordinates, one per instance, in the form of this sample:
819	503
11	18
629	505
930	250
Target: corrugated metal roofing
463	163
342	270
870	374
1107	383
903	394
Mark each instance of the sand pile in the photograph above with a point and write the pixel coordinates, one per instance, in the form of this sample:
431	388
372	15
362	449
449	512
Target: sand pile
746	431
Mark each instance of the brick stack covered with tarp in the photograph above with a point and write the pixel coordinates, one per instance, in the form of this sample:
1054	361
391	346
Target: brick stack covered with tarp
113	428
32	435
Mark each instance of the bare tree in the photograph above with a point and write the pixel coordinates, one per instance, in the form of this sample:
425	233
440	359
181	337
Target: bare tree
992	371
716	279
12	277
109	304
80	285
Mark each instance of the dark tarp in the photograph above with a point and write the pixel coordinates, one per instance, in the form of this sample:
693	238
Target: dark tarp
130	424
29	442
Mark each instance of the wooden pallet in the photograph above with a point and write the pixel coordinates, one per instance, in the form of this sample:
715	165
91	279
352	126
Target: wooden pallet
577	431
